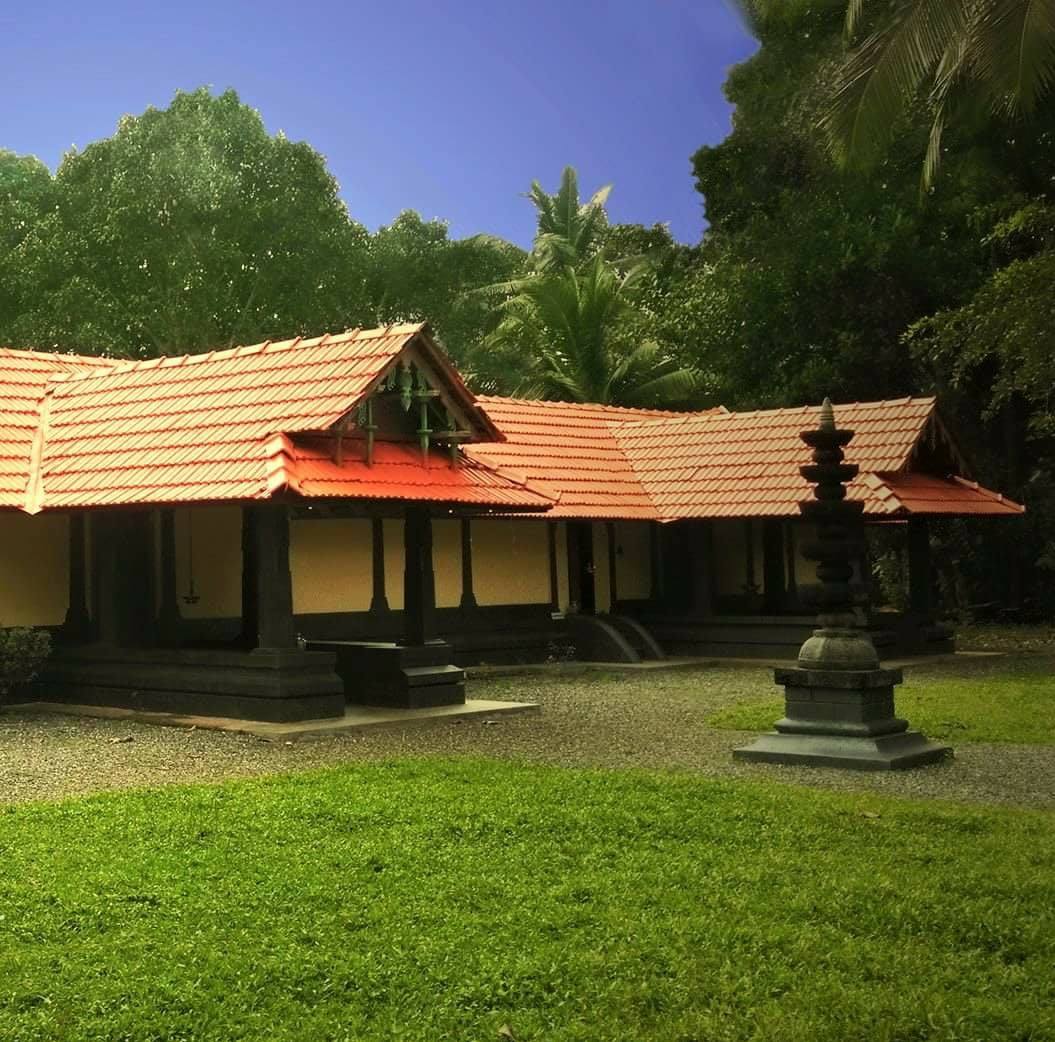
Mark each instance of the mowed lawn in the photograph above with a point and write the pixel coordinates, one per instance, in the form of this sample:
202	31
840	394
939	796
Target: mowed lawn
468	899
1006	699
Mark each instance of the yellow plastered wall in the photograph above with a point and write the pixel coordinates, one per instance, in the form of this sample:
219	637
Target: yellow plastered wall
34	565
394	558
510	562
601	586
633	560
332	565
730	555
563	588
447	562
217	561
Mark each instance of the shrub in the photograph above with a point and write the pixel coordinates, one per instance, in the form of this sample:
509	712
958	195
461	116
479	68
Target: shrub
22	653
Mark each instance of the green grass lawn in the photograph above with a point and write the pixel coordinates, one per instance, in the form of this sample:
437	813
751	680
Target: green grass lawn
447	899
1008	702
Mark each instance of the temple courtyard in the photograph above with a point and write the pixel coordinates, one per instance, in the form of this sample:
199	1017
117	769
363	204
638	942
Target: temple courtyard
995	704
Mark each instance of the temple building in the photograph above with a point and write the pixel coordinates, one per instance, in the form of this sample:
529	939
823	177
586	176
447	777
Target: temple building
272	531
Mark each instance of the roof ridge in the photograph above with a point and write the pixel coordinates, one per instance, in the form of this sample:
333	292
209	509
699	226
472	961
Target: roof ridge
486	398
244	350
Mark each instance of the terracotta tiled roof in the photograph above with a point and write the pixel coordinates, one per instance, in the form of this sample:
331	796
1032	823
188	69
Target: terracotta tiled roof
23	377
637	464
573	448
245	424
397	473
921	494
746	464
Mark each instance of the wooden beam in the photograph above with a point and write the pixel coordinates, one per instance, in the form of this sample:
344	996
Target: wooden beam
919	589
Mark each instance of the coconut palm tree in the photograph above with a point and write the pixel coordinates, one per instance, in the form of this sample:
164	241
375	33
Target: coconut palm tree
576	326
569	231
1001	52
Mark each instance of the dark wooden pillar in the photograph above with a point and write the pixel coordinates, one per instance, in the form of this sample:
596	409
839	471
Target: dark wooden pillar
169	619
791	578
468	601
613	585
773	564
379	599
123	578
656	584
77	624
249	588
750	577
274	584
554	586
702	556
419	590
919	590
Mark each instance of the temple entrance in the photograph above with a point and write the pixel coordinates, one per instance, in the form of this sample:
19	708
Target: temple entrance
581	571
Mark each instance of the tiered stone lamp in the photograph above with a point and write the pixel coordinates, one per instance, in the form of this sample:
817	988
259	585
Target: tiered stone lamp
839	703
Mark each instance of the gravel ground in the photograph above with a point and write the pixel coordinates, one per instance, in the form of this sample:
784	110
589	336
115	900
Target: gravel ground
654	719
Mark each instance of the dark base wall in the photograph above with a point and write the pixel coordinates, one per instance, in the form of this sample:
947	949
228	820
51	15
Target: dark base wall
781	636
278	686
493	635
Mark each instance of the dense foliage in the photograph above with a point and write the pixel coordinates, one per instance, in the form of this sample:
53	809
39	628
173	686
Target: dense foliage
23	650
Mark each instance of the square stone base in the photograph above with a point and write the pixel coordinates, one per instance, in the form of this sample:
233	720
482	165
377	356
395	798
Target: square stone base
889	752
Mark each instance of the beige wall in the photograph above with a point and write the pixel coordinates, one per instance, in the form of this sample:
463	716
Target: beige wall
217	538
510	561
447	562
633	565
332	565
34	569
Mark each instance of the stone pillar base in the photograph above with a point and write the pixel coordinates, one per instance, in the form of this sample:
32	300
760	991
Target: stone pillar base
842	718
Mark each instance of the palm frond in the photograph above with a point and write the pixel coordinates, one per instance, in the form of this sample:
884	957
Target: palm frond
854	11
1016	52
887	71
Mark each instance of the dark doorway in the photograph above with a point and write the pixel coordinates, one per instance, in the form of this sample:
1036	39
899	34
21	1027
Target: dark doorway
581	567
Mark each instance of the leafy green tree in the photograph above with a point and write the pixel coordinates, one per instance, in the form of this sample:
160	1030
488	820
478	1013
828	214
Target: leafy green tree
26	198
415	271
191	227
939	54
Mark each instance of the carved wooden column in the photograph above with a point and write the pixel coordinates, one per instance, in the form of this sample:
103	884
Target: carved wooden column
419	591
551	546
613	586
78	624
169	619
274	584
379	599
919	590
468	599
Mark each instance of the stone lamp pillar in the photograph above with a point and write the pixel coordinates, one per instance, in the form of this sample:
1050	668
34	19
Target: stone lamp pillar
839	703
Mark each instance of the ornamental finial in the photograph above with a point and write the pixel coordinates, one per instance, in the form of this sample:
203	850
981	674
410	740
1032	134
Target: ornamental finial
827	415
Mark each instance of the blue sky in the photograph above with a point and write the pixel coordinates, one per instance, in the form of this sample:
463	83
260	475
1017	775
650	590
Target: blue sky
447	108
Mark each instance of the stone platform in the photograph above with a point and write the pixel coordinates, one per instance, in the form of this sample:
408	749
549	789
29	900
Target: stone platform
842	718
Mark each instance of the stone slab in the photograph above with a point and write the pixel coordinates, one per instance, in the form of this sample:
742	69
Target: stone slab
876	753
356	718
